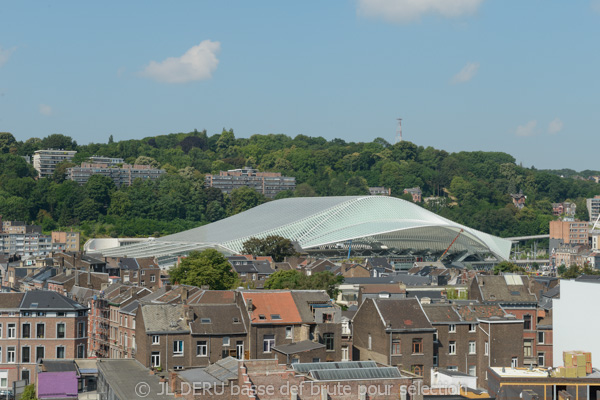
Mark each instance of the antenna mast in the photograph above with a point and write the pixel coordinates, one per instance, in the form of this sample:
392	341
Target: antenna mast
399	131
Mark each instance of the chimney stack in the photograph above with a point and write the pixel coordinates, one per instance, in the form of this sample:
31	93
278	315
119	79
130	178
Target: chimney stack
250	307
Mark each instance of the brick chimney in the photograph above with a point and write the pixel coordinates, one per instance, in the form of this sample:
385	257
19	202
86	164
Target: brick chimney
250	306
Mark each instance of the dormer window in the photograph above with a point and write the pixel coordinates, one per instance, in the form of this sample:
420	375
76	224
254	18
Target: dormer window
205	320
236	320
262	316
275	316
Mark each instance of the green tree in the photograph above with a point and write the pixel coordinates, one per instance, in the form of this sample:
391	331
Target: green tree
506	266
274	246
29	393
572	272
99	188
60	172
208	267
143	160
296	280
58	141
244	198
7	140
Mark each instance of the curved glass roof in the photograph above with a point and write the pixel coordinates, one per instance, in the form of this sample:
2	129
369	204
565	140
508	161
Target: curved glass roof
329	222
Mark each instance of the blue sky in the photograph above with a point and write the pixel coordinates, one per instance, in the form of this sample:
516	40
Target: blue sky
519	77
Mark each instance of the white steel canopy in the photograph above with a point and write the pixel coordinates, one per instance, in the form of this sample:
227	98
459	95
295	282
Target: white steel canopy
379	224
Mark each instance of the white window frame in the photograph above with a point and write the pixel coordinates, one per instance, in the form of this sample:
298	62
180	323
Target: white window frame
514	362
472	347
541	355
226	341
473	369
452	348
155	339
452	328
155	359
152	278
177	348
486	348
202	348
543	336
472	328
8	354
11	331
268	343
289	333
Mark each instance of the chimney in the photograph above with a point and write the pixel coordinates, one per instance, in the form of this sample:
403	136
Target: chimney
388	324
184	295
89	274
168	288
250	306
76	276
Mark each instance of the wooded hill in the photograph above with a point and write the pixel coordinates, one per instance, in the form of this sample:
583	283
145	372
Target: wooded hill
473	188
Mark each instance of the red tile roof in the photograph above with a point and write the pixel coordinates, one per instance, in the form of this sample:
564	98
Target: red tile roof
269	304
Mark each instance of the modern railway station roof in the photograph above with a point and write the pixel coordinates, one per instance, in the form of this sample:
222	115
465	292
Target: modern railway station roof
326	226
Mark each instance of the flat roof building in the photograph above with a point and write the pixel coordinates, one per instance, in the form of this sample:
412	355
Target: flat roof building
45	161
267	183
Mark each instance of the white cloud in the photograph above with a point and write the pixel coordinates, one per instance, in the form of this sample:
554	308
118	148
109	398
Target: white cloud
408	10
5	55
45	109
527	130
466	74
555	126
196	64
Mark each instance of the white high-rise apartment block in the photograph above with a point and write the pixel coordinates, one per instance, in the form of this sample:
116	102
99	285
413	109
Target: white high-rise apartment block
45	161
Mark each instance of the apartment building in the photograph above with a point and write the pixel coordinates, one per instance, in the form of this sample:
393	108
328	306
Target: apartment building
121	176
570	233
593	206
35	325
29	244
45	161
267	183
70	239
394	332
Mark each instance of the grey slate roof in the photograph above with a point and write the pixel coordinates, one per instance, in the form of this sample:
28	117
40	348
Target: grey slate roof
298	347
303	299
124	375
404	314
47	300
220	372
497	288
221	319
130	308
441	313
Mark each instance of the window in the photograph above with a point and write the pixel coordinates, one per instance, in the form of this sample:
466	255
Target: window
205	320
452	328
527	322
541	359
81	329
25	375
39	353
288	332
155	359
201	348
487	348
40	330
452	347
152	278
541	337
329	342
435	361
435	336
452	368
472	370
0	330
10	354
396	346
472	347
12	331
472	327
345	353
60	330
3	382
514	362
268	343
155	339
60	352
25	354
417	370
417	346
370	342
143	272
178	348
26	330
226	341
528	348
81	351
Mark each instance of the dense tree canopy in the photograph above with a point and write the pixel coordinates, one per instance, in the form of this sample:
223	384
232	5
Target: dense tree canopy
208	267
274	246
471	188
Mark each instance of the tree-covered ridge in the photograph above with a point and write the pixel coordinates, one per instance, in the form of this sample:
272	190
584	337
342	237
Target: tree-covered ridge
472	188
